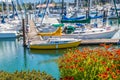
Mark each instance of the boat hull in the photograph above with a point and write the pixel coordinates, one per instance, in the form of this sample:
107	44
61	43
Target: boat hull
104	35
8	35
55	46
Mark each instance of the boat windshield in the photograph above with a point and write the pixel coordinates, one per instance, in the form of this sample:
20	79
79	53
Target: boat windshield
59	40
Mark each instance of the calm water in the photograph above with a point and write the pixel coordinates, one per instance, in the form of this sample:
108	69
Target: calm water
14	57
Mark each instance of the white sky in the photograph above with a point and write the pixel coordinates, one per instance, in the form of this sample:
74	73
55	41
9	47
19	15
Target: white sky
6	0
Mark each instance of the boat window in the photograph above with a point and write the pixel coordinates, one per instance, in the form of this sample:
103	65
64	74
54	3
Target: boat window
66	41
75	33
82	32
56	42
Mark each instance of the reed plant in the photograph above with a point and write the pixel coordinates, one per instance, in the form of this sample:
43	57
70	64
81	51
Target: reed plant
91	64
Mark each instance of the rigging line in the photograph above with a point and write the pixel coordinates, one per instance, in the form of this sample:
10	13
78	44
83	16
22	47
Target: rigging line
3	20
19	5
45	10
39	7
14	9
23	6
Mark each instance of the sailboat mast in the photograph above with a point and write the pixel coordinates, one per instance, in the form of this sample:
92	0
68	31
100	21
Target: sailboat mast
8	12
90	4
16	5
116	12
62	6
77	5
81	5
67	7
2	10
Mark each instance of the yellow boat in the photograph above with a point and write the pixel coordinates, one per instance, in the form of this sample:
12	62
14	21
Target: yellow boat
56	43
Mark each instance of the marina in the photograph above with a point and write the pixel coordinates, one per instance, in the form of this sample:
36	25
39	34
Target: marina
36	35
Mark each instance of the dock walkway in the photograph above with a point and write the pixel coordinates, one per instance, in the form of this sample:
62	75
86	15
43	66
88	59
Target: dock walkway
32	33
99	41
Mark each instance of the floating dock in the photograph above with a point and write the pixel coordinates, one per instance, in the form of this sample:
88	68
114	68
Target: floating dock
99	41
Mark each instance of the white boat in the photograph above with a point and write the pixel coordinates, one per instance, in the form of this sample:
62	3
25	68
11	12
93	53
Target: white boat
93	33
90	33
86	33
8	31
55	43
8	34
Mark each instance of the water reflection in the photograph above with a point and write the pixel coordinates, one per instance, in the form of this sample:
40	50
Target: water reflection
59	51
14	57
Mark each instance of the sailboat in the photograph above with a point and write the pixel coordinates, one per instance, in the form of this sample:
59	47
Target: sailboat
7	30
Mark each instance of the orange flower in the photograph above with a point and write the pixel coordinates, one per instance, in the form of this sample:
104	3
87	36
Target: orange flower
106	46
114	76
118	52
76	61
95	59
100	75
113	66
81	69
102	44
77	51
103	75
103	62
67	78
84	56
118	71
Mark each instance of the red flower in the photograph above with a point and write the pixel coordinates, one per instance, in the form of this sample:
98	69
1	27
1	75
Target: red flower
103	62
114	76
106	46
113	66
81	69
107	69
67	78
103	75
118	52
118	71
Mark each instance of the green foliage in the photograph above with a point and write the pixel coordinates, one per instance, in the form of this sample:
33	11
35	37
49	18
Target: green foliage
25	75
91	64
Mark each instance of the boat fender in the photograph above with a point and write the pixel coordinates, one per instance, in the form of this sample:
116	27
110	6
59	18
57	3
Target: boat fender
56	46
28	46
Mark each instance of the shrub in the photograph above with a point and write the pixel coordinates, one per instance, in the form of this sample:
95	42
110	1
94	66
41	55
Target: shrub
87	64
25	75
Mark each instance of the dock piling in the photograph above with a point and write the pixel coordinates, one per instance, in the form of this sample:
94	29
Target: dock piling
24	37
